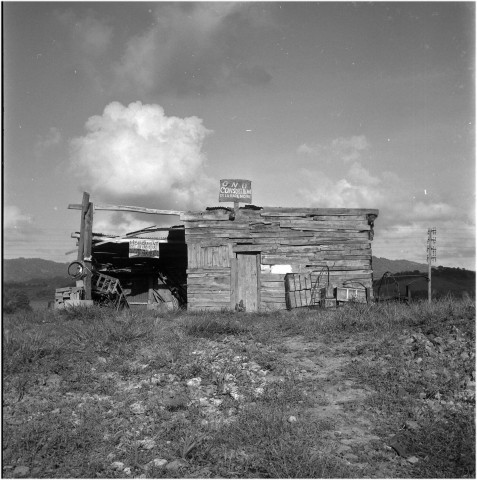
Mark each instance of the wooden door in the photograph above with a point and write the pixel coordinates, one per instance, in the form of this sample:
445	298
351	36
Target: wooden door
247	286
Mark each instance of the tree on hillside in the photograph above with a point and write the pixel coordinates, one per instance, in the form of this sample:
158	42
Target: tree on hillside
15	300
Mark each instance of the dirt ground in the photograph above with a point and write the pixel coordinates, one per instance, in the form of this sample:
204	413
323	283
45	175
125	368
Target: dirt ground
339	399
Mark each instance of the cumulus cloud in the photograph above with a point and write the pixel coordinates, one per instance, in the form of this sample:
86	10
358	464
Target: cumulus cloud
404	217
319	190
193	48
405	212
340	149
136	151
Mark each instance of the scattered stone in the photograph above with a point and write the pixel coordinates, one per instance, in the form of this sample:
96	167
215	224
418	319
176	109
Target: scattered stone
147	444
53	381
176	465
157	462
117	465
138	408
127	470
413	460
194	382
292	419
21	471
412	425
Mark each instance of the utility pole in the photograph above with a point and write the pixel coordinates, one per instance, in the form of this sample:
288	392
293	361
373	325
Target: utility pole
431	256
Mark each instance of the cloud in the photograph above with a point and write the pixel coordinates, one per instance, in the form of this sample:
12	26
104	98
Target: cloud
319	190
89	35
50	139
404	217
193	48
309	149
349	148
432	211
17	226
340	149
361	175
138	152
90	43
120	223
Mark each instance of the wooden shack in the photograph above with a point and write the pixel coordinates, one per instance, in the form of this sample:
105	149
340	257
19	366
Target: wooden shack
241	259
247	259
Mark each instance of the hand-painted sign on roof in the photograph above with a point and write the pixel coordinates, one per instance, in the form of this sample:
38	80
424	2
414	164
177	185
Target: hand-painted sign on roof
143	248
235	190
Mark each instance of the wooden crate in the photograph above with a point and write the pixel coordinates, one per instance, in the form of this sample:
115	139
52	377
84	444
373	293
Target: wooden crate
345	294
68	296
328	303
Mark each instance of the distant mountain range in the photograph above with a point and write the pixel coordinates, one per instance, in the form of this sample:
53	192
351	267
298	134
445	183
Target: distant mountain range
383	265
28	269
39	278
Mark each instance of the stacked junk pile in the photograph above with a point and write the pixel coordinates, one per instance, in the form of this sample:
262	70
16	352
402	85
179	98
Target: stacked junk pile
141	269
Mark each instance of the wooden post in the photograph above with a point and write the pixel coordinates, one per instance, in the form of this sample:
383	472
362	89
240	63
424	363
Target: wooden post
150	295
84	209
429	282
408	294
88	241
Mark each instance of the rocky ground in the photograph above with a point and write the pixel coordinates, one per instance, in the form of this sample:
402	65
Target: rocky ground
179	411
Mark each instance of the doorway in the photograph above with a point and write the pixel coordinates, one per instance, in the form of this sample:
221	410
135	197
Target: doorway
247	293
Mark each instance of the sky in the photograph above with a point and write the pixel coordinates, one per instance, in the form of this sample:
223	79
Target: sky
319	104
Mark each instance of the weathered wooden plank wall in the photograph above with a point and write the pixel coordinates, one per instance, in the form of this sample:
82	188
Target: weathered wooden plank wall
299	240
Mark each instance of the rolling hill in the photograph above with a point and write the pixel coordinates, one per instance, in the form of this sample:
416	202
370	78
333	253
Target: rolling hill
383	265
20	270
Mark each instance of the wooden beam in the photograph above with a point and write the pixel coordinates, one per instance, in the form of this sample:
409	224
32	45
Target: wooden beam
126	208
305	212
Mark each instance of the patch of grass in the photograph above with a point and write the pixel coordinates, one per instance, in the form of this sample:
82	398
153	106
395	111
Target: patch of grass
213	326
102	331
266	444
